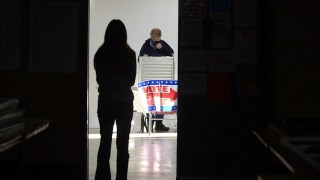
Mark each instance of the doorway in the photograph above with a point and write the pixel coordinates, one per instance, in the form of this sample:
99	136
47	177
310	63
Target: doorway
139	17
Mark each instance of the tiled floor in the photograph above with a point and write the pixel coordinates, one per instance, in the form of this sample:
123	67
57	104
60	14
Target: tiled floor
151	156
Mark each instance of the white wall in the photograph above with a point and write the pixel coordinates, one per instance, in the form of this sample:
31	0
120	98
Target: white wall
139	17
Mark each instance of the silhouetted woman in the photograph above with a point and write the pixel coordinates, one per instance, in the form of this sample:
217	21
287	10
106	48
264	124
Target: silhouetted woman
115	65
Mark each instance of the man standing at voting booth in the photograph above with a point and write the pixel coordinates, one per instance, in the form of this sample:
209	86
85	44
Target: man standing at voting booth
155	46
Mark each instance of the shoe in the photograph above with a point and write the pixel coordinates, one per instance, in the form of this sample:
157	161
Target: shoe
161	128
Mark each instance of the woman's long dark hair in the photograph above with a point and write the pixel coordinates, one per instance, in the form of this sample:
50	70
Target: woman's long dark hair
116	34
115	45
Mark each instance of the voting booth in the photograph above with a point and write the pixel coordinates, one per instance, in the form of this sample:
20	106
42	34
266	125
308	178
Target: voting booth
157	86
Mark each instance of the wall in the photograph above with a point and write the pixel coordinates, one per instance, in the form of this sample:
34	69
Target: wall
45	37
220	97
139	16
297	60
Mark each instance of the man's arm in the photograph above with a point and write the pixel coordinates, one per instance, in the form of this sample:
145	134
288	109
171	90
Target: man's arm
143	50
166	49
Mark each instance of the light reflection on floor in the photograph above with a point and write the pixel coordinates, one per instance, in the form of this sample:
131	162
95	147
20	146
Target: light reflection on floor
97	136
152	156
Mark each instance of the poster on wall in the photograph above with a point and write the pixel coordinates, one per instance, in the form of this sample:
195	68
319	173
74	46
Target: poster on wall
245	13
245	46
222	61
219	87
10	34
53	37
247	84
193	84
191	32
221	36
193	8
220	9
193	60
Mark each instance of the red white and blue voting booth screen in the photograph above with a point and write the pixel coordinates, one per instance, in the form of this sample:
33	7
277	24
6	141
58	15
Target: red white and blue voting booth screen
159	96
